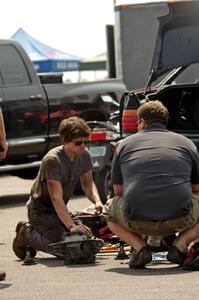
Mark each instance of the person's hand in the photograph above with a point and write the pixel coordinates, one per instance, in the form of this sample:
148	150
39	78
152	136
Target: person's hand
99	206
3	149
82	229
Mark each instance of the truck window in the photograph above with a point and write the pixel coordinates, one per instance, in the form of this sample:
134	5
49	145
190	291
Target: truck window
12	68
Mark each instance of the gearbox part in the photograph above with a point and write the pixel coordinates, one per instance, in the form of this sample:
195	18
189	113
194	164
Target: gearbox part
76	249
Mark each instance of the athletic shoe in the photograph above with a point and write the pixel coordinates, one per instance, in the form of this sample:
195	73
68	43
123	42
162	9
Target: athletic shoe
175	256
192	260
141	258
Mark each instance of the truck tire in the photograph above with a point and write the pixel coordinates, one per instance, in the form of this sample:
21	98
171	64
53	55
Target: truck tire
102	181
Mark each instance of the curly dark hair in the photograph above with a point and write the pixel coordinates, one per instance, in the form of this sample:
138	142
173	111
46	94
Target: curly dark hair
153	111
73	128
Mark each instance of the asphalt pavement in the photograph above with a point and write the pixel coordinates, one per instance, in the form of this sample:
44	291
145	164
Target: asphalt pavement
107	279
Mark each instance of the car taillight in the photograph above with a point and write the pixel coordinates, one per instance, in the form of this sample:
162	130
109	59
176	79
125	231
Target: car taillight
129	104
103	136
129	120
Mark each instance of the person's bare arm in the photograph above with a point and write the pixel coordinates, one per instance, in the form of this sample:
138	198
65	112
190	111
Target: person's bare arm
195	187
56	195
90	190
118	189
3	142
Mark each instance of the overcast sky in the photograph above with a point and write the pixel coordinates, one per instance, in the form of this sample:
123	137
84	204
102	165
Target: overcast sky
74	26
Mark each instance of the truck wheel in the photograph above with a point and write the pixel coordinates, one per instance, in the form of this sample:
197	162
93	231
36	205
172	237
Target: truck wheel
103	183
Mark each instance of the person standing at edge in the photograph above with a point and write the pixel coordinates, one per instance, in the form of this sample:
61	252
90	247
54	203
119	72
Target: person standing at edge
60	170
3	152
155	174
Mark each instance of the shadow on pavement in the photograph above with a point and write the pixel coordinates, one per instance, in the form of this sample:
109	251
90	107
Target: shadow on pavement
14	200
57	262
4	285
149	271
47	261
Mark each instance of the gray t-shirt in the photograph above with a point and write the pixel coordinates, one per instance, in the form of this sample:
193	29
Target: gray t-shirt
57	165
157	168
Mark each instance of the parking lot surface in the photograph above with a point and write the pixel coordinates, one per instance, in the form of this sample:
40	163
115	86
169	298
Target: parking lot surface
107	279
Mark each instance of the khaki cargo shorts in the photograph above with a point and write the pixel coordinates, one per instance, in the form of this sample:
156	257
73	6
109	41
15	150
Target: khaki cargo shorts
114	212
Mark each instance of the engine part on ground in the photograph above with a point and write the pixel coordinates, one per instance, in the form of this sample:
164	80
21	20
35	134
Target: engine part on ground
108	248
121	253
76	248
94	222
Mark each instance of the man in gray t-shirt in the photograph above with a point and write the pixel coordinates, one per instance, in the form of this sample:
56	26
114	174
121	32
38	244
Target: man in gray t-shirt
60	170
156	168
154	173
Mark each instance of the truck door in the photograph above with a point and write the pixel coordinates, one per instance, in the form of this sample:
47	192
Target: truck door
25	105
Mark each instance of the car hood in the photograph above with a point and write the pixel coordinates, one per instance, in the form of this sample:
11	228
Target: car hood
177	43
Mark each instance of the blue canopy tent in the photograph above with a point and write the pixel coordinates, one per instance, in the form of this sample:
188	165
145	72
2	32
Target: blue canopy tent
45	58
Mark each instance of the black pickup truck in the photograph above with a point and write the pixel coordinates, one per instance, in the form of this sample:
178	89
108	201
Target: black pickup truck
33	107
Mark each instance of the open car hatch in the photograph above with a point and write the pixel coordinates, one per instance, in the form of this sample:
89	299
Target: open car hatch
177	43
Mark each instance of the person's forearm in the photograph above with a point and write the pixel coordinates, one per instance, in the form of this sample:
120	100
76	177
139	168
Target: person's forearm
92	194
118	189
63	212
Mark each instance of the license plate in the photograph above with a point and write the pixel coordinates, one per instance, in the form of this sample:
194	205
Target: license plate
97	151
